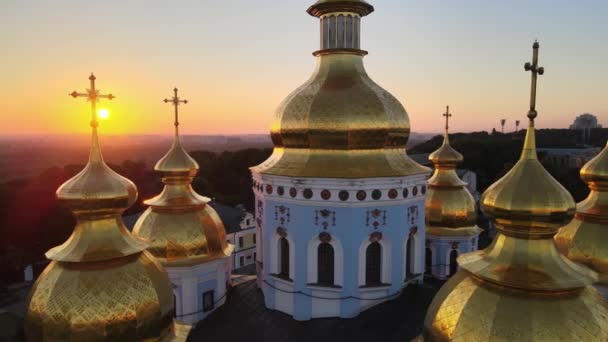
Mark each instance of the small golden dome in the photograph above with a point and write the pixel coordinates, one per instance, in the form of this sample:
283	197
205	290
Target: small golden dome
177	160
449	206
322	7
101	285
446	155
511	290
182	228
510	203
340	123
584	239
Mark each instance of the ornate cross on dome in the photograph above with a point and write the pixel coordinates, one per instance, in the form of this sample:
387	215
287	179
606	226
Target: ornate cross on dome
175	100
93	96
536	70
447	116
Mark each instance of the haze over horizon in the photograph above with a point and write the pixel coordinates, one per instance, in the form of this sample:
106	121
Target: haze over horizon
238	60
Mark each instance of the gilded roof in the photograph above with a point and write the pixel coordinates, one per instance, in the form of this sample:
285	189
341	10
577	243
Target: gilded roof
340	124
584	239
510	202
465	309
449	206
124	299
179	224
520	288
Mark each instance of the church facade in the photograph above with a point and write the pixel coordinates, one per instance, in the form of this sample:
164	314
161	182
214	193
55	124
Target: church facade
339	204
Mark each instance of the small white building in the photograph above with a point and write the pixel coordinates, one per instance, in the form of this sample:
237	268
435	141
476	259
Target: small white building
242	235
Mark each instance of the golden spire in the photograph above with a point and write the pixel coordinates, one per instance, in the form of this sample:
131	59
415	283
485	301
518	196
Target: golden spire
511	290
340	123
100	265
182	228
446	156
95	194
450	207
584	239
177	160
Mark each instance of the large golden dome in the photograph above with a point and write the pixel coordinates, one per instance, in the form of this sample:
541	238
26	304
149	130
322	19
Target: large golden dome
584	239
449	206
520	288
340	123
182	228
101	284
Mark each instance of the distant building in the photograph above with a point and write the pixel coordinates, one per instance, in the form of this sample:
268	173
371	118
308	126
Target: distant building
585	122
572	158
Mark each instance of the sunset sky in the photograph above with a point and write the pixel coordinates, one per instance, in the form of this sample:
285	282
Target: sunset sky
236	60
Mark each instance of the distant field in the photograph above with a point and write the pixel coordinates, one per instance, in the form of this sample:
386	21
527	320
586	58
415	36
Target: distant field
27	156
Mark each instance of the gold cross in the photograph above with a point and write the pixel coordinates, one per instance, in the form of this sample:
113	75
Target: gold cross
536	70
93	96
176	102
447	115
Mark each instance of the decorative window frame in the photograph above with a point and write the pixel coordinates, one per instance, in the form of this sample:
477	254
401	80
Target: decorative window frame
275	265
312	261
387	251
414	256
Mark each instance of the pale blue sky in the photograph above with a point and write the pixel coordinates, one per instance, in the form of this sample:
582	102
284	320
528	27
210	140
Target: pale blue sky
237	59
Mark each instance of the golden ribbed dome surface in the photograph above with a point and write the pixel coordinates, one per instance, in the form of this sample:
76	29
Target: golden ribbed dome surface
183	229
124	299
446	155
584	239
340	124
449	206
101	285
528	196
521	288
177	160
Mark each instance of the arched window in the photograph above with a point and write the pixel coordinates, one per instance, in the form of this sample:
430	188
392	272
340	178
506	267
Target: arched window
284	258
409	257
373	264
453	263
428	260
325	264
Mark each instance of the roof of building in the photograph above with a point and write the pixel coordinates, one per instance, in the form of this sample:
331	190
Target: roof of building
231	216
421	158
244	317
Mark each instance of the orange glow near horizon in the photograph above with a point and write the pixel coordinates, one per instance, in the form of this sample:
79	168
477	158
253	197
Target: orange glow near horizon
234	78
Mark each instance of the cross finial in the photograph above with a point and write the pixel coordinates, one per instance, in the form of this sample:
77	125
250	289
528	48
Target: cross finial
176	101
447	116
536	70
93	95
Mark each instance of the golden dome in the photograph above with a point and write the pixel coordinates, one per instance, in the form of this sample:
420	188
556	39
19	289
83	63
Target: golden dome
583	240
513	289
449	206
182	228
101	285
510	202
177	160
340	123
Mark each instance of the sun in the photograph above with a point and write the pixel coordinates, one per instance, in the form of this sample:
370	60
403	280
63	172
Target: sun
103	114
